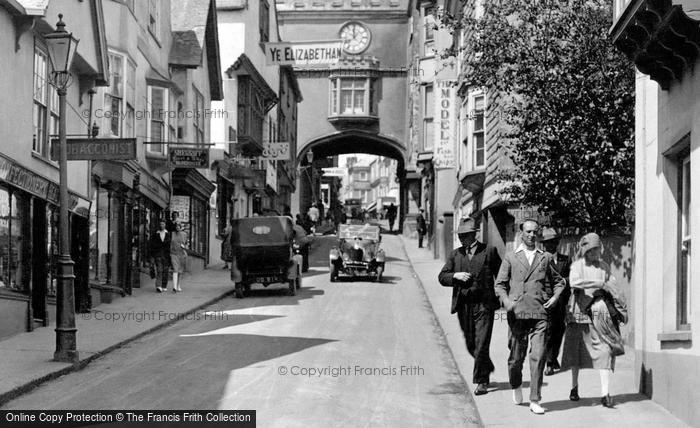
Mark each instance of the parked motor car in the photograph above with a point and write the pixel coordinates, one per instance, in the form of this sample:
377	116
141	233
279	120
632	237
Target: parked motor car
263	254
357	252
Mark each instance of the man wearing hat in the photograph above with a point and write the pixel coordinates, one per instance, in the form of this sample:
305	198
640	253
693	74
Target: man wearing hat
528	285
550	242
470	271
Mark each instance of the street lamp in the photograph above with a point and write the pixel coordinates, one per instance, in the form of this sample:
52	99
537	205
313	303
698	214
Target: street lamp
310	158
61	49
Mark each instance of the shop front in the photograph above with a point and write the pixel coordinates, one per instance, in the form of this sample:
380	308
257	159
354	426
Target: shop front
29	248
190	200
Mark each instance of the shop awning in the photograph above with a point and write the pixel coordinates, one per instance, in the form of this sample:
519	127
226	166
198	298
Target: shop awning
193	182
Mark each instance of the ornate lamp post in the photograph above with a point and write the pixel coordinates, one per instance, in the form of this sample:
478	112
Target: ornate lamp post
61	48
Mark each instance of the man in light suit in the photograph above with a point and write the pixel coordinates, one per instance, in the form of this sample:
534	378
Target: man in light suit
529	287
470	270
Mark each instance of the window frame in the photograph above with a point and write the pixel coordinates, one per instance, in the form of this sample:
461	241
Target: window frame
336	98
161	117
683	283
428	119
264	21
474	113
44	107
198	118
154	19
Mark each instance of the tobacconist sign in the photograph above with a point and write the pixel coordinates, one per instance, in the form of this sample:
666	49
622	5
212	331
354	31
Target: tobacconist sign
96	149
188	157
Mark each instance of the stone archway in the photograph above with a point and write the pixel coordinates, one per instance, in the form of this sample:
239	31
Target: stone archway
356	141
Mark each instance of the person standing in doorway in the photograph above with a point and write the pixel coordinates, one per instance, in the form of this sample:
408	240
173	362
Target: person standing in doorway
528	286
178	255
470	271
550	242
160	255
421	227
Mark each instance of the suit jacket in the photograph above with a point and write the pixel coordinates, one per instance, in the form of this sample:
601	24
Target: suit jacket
420	222
483	267
527	286
160	248
563	264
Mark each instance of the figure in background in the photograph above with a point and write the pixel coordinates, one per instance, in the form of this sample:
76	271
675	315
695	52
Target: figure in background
178	255
421	227
391	216
159	246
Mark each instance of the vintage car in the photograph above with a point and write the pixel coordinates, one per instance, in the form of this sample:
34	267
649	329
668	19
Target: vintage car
357	252
263	253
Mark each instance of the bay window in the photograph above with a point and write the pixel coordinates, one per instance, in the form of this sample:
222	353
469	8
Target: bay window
352	96
158	128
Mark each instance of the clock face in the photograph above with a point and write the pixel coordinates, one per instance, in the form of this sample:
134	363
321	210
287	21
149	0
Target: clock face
355	37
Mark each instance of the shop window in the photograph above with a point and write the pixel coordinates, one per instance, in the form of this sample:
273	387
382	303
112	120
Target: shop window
428	111
352	97
104	230
684	213
52	250
11	242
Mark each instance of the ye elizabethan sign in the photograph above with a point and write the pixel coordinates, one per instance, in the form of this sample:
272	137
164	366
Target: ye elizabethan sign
303	53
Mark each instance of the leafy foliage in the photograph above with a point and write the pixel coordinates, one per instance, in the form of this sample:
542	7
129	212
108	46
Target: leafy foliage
570	118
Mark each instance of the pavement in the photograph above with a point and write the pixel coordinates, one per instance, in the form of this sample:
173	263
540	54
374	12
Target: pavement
27	358
496	408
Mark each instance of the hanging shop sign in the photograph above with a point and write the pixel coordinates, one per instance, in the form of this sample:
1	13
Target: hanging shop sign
334	172
96	149
276	151
445	99
303	53
188	157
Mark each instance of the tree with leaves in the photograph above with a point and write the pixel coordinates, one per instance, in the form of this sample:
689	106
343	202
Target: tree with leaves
570	118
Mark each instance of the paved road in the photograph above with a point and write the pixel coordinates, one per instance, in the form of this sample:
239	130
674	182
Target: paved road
353	353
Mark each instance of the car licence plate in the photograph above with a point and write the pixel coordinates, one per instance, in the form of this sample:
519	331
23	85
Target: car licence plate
266	279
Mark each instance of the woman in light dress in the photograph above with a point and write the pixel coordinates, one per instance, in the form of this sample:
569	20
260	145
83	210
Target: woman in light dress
178	255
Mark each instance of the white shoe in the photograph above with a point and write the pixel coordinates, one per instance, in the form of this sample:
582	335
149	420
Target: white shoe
518	395
536	408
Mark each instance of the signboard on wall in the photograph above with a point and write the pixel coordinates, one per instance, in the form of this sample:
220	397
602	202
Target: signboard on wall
276	151
446	124
303	53
188	157
96	149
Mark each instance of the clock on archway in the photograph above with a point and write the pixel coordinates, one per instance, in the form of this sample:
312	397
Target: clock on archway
355	36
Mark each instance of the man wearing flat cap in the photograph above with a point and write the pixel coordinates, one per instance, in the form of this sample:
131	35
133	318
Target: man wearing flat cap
528	285
470	271
550	242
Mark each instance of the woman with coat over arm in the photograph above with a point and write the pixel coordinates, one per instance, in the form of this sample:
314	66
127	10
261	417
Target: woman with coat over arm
592	336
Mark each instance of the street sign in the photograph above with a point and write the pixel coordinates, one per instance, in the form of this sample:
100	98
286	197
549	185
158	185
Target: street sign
188	157
334	172
276	151
303	53
96	149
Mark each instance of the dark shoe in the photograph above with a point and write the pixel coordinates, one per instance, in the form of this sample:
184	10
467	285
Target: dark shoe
481	389
549	371
159	290
573	395
607	401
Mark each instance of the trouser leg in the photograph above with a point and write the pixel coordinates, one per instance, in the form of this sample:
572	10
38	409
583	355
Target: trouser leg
557	328
161	272
420	240
517	344
538	358
483	328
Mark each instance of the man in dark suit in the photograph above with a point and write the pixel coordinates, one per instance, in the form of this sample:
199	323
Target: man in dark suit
550	242
421	227
470	270
160	255
529	286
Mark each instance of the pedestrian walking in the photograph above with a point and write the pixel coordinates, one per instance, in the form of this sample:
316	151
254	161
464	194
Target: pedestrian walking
159	246
557	323
596	308
313	216
178	255
422	227
470	271
528	286
391	216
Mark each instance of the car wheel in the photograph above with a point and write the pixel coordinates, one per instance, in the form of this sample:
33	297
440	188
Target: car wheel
239	290
380	272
